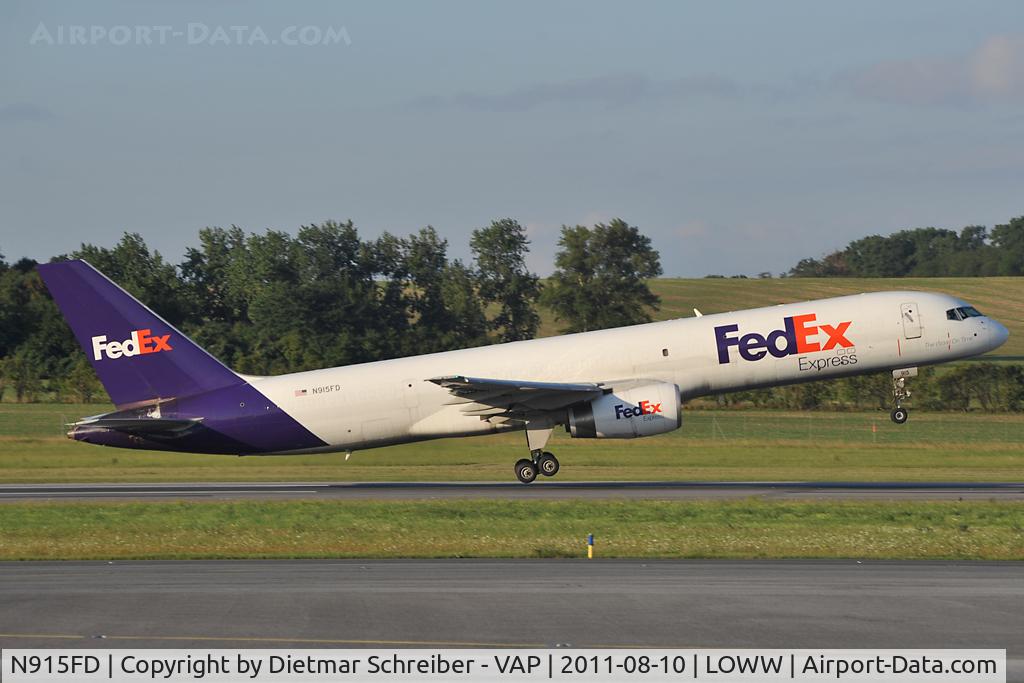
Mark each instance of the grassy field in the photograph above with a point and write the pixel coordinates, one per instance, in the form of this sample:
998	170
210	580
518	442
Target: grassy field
712	445
638	529
726	445
1000	297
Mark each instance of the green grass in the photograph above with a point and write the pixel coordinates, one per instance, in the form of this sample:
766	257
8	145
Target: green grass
1000	297
486	528
712	445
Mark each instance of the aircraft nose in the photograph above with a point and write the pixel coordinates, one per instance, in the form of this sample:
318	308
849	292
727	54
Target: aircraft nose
999	333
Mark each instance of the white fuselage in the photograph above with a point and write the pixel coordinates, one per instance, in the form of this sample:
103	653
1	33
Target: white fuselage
388	402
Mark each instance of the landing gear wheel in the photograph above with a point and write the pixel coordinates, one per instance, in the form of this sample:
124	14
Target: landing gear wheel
547	463
526	471
900	393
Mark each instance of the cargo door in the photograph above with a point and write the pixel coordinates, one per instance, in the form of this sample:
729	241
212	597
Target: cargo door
911	321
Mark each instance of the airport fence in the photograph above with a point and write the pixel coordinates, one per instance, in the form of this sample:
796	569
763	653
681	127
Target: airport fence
721	425
857	427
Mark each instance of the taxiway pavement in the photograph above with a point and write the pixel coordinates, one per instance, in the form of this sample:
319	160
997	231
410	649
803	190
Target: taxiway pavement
549	490
527	603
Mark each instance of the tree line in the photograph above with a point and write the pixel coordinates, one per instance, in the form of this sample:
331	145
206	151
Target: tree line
273	302
926	252
991	387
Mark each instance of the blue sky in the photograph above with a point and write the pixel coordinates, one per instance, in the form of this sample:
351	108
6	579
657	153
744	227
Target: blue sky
740	136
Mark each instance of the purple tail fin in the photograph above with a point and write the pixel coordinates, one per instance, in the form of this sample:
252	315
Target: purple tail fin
139	356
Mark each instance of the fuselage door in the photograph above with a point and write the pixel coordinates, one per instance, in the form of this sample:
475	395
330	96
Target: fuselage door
911	321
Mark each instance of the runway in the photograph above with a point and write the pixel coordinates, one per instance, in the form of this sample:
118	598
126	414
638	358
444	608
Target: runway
542	490
527	603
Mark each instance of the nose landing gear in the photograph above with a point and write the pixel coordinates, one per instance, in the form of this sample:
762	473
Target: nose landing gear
900	393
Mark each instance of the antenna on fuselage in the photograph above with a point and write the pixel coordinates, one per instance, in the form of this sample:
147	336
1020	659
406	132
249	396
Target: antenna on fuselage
698	313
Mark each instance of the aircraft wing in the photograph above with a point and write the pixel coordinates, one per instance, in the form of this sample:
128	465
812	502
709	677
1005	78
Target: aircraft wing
514	398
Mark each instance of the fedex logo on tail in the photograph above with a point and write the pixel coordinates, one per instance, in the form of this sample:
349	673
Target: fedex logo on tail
140	342
799	335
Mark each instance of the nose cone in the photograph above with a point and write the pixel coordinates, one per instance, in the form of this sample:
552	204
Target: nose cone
999	334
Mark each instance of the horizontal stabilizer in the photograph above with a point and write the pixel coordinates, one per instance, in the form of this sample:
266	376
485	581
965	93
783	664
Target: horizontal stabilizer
139	425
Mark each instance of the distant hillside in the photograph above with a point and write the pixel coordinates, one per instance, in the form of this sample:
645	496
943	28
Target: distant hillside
1000	297
926	252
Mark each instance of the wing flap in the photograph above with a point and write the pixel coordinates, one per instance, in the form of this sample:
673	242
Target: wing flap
461	385
489	398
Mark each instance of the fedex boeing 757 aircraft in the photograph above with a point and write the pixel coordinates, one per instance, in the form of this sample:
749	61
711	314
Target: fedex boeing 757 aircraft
620	383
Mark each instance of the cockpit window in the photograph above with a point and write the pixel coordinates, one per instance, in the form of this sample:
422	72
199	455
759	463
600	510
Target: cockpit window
963	313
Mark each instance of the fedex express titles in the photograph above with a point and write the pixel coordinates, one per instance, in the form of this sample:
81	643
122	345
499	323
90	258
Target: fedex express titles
800	335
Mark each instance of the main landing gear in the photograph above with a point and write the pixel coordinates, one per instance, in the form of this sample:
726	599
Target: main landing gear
900	393
540	461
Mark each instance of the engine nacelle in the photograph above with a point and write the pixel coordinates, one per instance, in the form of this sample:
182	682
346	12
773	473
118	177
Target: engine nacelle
643	410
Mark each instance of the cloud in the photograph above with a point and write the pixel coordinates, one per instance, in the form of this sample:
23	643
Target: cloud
593	217
19	112
606	90
691	229
997	68
992	72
